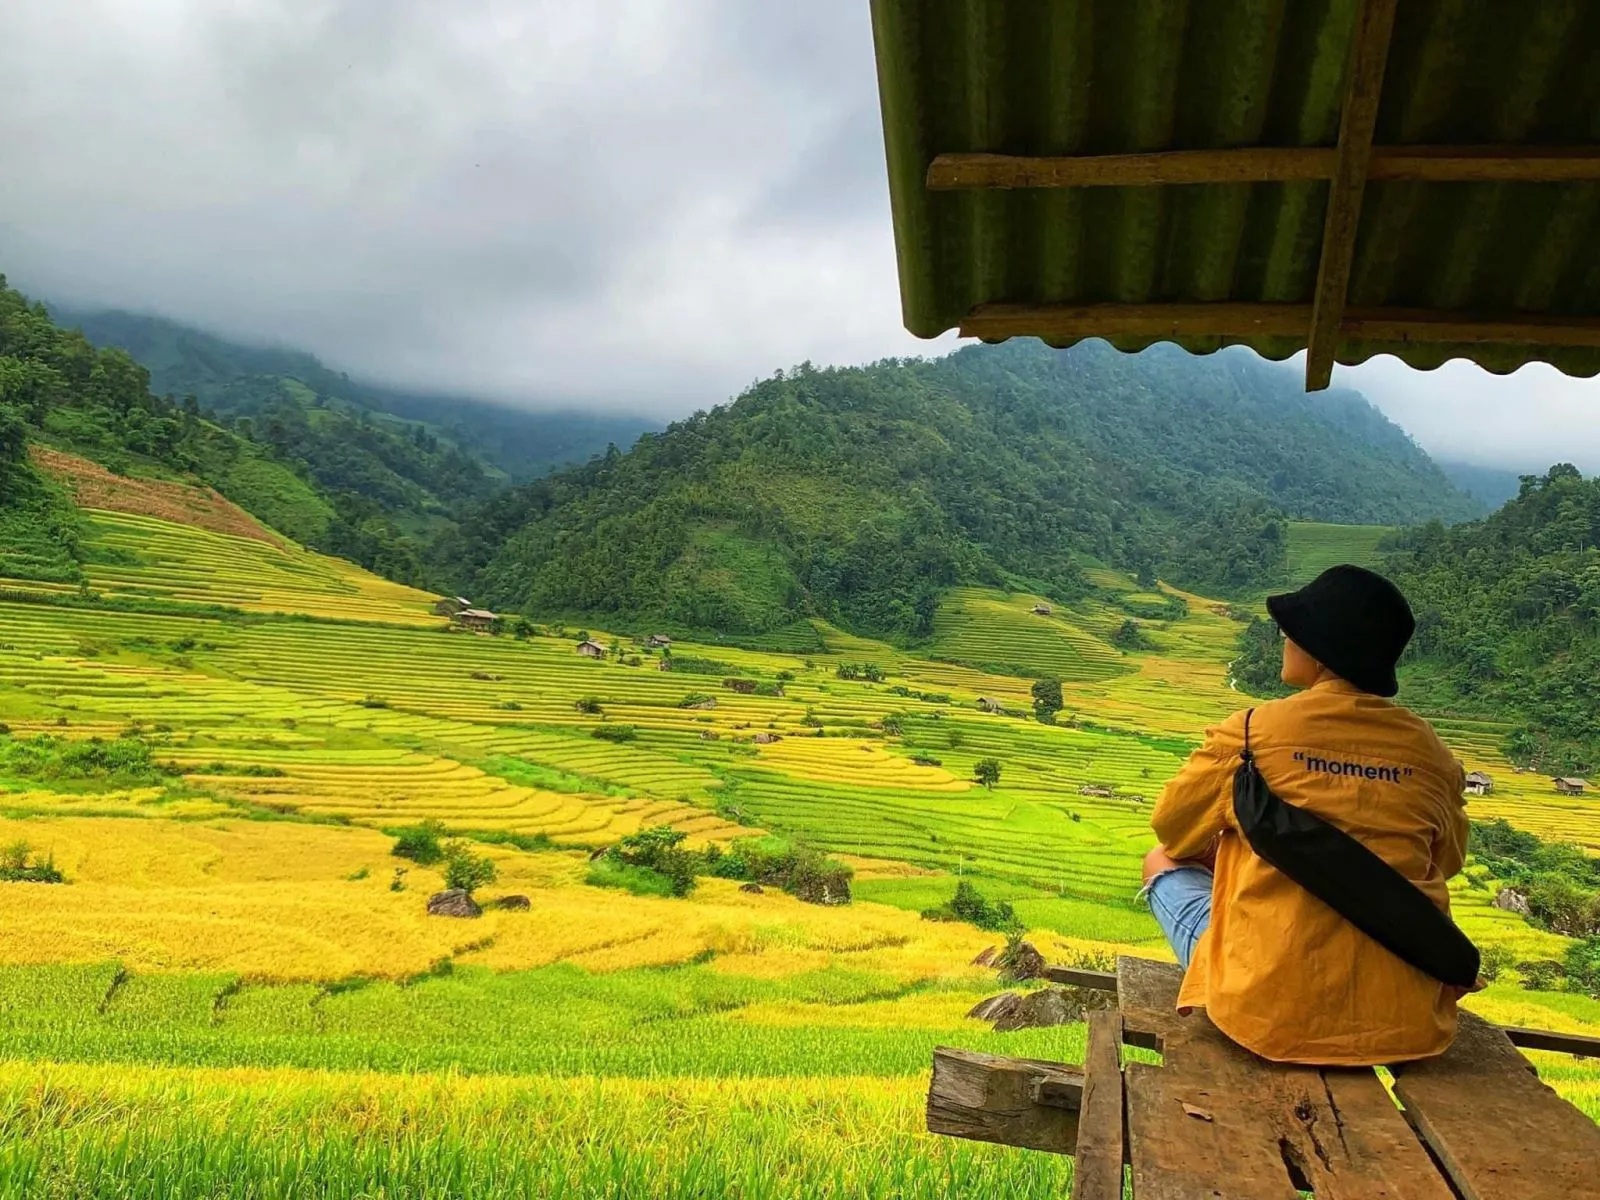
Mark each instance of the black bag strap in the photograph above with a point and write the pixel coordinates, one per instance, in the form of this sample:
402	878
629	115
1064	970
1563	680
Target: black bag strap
1349	878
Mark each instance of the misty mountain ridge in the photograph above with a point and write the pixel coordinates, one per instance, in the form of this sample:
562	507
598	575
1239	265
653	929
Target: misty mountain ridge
234	379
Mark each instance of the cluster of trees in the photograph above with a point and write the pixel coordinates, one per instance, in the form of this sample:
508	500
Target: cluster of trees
969	905
1508	616
654	861
1561	884
860	494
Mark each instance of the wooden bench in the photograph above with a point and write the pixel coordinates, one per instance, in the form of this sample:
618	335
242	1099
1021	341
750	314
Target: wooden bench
1215	1122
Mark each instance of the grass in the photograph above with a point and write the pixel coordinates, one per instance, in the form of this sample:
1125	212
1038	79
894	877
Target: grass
229	993
1314	547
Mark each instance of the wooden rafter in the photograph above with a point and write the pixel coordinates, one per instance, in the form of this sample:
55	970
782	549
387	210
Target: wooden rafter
1369	52
1263	164
1239	321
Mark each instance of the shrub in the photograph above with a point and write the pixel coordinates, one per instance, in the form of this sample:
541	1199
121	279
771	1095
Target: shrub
614	733
871	672
926	760
1582	965
986	771
803	872
589	704
1047	700
465	869
420	844
18	865
641	881
698	700
1540	975
659	849
969	905
1493	961
371	701
892	725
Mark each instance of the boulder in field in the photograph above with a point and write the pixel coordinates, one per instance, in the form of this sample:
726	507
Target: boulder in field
755	889
1042	1009
995	1007
985	957
515	903
1024	962
453	902
1512	900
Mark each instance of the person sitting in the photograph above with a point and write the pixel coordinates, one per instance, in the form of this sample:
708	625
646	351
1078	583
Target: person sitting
1276	969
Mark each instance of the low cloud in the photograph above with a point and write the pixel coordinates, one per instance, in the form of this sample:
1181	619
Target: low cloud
634	206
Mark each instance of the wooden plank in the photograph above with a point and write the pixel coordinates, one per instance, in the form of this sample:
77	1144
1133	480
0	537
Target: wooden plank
1244	320
1063	321
1581	1045
1097	1173
1216	1120
1255	164
991	1098
1484	164
1369	51
1499	1132
1096	981
1515	329
1548	1039
1265	164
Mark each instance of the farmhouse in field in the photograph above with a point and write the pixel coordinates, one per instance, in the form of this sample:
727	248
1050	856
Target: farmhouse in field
744	687
480	620
766	739
449	606
1570	786
658	641
1041	610
1479	783
591	649
988	705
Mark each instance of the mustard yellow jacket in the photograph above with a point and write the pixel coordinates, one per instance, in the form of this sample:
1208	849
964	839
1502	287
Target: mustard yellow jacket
1278	971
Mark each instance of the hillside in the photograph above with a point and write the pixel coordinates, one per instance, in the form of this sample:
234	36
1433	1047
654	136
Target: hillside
860	495
1508	616
236	380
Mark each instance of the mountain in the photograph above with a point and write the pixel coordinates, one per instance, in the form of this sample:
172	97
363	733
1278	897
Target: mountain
58	390
1490	486
860	494
1508	616
238	380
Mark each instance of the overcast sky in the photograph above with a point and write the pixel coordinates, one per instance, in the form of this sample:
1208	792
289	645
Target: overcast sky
639	205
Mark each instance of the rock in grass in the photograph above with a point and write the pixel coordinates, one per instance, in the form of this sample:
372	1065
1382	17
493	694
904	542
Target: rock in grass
995	1007
1511	900
985	956
755	889
1010	1011
1019	962
454	902
518	903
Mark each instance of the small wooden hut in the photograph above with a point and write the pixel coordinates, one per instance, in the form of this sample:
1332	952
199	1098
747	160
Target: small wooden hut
1571	786
591	649
1479	783
480	620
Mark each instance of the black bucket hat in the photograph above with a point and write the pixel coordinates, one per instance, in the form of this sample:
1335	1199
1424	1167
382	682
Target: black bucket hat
1351	620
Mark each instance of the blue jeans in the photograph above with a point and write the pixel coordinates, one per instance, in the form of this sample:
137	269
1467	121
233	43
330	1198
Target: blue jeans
1180	898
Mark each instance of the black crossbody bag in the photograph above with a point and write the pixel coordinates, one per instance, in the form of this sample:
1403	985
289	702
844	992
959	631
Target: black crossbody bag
1350	879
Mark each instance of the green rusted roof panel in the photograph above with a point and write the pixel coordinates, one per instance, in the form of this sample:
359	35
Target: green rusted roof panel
1059	77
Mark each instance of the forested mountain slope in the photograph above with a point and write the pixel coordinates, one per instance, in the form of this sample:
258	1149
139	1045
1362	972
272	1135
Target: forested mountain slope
1508	615
58	389
238	380
859	494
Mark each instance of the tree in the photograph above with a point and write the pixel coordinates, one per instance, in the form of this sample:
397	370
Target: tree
986	771
1047	700
466	870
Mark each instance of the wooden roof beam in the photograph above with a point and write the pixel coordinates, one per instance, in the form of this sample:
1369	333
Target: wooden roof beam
1243	321
1369	52
1261	164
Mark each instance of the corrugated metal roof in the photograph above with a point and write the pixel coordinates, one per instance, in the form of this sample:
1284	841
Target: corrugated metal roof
1069	77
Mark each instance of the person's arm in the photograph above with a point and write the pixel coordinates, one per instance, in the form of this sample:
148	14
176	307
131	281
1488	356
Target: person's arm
1192	810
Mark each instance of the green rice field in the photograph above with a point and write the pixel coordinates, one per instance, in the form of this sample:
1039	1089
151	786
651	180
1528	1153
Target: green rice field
238	991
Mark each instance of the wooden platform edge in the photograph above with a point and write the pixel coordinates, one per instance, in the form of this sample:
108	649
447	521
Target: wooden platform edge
1012	1101
1101	1148
1580	1044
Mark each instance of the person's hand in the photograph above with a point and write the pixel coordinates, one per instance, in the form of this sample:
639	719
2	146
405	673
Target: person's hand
1455	993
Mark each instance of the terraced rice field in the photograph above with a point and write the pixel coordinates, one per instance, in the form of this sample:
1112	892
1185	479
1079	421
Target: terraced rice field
231	941
1314	547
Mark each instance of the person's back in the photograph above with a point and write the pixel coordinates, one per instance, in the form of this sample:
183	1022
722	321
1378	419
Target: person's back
1276	969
